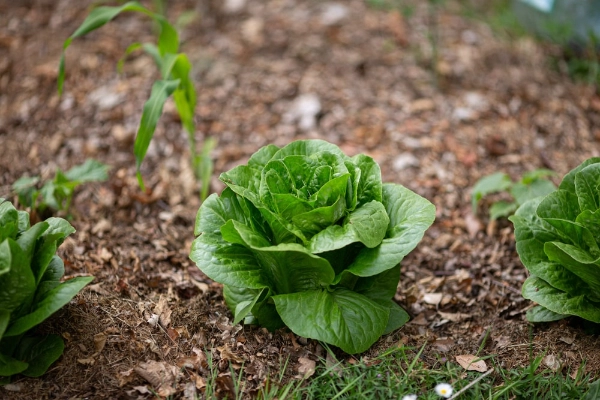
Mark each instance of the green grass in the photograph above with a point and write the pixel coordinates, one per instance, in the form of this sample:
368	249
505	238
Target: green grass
401	371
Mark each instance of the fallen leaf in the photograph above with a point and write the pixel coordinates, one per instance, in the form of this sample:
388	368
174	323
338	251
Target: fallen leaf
552	362
101	226
153	320
454	317
468	362
194	362
12	387
124	377
163	311
306	367
224	383
86	361
99	342
420	320
160	375
228	355
473	225
567	340
97	289
173	334
444	345
140	389
198	380
432	298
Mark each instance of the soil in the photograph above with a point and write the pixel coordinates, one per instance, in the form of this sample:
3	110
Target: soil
146	323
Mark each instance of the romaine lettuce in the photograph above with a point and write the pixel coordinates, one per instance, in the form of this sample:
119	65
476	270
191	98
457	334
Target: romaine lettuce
31	290
558	241
307	237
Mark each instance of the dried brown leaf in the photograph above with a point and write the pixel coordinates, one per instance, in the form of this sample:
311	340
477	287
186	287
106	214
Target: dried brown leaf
444	345
125	377
454	317
99	342
432	298
468	362
228	355
551	361
160	375
306	367
163	311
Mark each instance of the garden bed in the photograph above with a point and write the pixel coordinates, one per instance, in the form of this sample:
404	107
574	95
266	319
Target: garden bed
494	105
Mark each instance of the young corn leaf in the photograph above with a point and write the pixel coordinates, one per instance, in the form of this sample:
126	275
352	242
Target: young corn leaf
205	165
161	90
96	19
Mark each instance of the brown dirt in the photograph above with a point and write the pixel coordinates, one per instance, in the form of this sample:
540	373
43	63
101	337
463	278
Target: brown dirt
497	106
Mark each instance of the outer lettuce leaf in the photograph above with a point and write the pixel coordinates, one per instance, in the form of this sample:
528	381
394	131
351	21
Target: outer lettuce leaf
40	352
341	317
381	289
560	302
18	283
53	301
216	210
31	290
542	314
11	366
283	268
579	262
226	263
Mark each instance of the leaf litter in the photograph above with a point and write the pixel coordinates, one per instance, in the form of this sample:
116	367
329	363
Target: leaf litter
375	98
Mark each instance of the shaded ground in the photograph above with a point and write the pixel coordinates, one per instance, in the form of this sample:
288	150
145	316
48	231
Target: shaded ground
496	106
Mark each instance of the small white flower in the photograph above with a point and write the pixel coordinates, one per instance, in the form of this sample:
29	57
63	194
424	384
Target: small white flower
409	397
444	390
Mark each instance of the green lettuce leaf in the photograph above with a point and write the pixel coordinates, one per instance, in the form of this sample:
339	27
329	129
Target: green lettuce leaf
410	215
341	317
560	302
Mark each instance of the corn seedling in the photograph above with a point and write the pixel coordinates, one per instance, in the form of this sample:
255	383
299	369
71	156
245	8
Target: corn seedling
175	81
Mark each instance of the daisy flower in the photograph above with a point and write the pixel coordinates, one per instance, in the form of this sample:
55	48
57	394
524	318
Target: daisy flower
444	390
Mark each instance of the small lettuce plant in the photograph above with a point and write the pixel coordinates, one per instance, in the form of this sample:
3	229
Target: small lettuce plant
31	290
531	185
57	194
307	237
558	241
